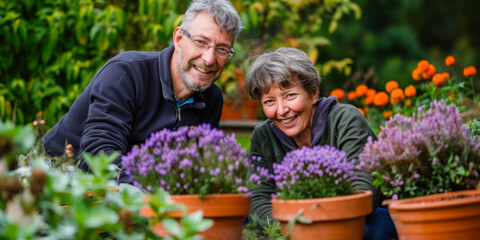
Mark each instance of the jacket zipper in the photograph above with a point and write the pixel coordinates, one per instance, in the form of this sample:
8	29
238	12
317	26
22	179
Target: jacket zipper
179	114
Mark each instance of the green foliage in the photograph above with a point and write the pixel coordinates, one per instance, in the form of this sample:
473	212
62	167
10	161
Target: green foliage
474	127
42	202
51	49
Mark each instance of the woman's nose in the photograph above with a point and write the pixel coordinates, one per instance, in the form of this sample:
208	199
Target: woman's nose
282	109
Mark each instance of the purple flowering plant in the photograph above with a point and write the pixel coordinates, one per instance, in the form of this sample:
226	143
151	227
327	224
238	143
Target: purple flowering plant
202	160
430	152
306	173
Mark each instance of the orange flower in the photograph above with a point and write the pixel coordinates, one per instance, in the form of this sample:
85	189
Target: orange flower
469	71
446	75
423	65
431	70
391	85
380	99
452	95
369	99
361	90
425	75
351	95
387	114
361	111
393	101
371	92
450	60
339	93
397	93
410	91
409	102
416	74
438	79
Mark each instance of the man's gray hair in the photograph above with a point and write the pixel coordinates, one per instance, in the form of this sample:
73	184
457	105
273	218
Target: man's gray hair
222	11
284	67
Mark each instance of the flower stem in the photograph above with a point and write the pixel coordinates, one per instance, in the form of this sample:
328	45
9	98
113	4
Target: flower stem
473	89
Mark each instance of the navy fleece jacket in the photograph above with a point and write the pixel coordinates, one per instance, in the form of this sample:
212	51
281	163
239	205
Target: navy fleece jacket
129	98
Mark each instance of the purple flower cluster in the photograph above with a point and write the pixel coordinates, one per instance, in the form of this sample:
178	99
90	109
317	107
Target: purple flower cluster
202	160
427	153
321	171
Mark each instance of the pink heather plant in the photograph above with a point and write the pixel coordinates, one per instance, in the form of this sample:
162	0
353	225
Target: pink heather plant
431	152
305	173
199	161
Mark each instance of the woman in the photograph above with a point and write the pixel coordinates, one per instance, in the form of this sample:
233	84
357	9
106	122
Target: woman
286	84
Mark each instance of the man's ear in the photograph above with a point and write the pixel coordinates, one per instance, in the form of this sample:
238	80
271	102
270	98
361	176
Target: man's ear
177	36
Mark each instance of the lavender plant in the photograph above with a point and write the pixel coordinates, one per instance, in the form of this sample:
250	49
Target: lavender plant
202	160
430	152
305	173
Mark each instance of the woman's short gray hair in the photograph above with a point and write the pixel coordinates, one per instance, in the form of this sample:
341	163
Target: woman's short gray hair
222	11
284	67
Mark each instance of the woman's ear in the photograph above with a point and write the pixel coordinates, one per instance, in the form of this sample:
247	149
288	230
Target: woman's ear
315	96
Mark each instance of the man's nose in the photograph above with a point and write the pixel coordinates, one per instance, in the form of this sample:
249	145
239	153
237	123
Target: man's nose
208	56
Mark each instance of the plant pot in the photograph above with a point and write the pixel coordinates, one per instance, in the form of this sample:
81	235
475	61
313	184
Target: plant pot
246	110
227	211
332	218
454	215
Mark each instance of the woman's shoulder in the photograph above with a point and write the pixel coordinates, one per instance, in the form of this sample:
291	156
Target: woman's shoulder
342	110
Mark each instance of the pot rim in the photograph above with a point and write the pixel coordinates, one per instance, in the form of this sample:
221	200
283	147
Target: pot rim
435	201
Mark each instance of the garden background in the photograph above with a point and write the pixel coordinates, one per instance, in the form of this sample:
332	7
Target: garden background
51	49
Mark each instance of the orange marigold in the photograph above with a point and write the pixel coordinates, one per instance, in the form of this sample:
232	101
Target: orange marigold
397	93
452	95
438	79
351	95
425	75
371	92
387	114
361	90
380	99
423	65
361	111
431	70
410	91
393	101
391	85
409	102
469	71
369	99
446	75
339	93
416	73
450	60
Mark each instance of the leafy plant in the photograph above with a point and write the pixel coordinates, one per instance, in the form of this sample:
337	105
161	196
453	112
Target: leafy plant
200	161
430	152
38	201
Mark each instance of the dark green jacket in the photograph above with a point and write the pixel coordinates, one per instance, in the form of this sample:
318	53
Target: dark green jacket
345	129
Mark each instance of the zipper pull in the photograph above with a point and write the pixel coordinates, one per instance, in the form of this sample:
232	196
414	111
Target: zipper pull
179	114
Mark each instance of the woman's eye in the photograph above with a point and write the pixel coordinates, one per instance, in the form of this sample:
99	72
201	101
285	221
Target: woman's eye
267	102
291	95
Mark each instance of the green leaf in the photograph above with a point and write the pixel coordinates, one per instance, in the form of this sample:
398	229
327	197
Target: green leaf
172	226
100	216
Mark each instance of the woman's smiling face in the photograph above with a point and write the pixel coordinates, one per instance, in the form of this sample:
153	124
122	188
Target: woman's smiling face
291	110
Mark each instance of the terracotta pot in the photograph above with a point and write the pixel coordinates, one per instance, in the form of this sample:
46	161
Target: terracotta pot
241	111
227	211
332	218
454	215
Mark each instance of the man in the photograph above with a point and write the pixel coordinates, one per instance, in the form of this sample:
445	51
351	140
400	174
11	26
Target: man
137	93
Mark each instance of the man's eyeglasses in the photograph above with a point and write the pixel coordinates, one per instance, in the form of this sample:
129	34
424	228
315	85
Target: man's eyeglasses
200	43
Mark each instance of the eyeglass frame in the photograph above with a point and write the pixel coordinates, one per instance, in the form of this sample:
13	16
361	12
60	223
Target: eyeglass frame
229	55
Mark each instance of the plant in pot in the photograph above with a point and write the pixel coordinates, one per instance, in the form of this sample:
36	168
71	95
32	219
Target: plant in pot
317	181
431	162
200	167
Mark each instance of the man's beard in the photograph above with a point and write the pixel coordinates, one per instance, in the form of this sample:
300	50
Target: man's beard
186	79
